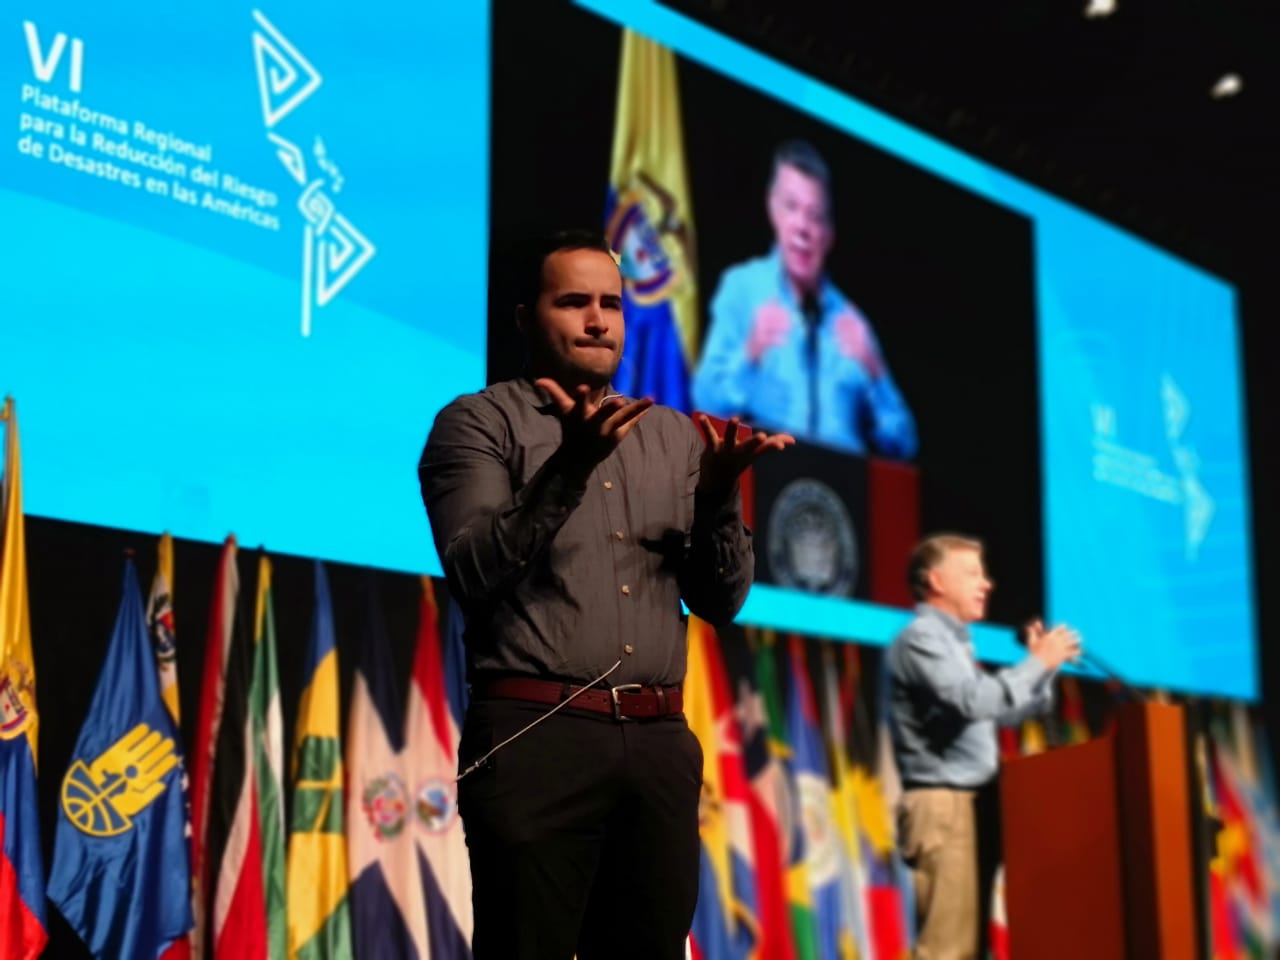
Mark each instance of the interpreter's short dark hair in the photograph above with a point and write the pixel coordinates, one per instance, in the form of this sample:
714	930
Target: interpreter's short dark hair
803	156
929	553
535	251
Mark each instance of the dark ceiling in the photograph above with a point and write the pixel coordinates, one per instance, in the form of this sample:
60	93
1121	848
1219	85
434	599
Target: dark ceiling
1113	112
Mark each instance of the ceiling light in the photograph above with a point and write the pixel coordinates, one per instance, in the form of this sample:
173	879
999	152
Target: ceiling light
1228	85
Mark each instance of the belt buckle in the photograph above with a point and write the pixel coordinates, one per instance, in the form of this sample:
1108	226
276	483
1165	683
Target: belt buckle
624	688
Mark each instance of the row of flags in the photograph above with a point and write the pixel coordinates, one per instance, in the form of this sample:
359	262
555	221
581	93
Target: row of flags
798	858
151	862
371	861
411	881
799	854
1244	864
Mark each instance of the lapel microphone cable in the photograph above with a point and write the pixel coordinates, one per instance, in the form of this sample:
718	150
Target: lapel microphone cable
525	729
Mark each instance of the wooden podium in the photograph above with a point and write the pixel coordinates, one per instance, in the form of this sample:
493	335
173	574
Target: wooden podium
1098	845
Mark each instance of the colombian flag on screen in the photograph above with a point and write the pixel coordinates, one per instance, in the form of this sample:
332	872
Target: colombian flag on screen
649	224
22	923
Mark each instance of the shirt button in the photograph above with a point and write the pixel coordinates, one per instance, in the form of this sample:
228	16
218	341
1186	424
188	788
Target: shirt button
628	649
617	534
626	590
608	484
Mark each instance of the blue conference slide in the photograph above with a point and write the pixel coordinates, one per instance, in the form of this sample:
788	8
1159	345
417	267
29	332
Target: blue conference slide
246	263
1146	479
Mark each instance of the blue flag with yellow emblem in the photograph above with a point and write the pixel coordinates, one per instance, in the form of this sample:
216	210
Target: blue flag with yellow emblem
649	224
121	867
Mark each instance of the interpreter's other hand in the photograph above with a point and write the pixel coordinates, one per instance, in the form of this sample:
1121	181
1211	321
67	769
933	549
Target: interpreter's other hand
593	430
1054	647
854	340
724	458
769	329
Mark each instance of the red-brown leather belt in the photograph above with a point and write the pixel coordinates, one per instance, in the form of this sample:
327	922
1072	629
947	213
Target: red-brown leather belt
630	701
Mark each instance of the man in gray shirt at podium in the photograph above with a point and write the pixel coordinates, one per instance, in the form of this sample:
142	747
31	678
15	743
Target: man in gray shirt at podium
944	708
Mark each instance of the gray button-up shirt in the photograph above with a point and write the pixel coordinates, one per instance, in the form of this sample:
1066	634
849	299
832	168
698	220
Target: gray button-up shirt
560	580
944	707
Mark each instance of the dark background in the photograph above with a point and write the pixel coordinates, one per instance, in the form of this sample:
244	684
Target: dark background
945	277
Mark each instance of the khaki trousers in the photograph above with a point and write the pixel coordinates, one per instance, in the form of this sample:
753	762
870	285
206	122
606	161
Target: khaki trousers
937	833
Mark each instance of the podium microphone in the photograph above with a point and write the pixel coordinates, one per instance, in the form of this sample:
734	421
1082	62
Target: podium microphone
1109	673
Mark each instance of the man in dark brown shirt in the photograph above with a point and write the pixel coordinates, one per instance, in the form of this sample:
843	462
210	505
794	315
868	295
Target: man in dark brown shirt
571	522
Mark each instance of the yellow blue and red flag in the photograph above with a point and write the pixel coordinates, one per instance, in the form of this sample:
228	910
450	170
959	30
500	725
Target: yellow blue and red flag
23	932
649	224
725	921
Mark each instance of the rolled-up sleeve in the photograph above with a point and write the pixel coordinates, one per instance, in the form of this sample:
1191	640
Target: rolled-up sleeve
934	660
1041	702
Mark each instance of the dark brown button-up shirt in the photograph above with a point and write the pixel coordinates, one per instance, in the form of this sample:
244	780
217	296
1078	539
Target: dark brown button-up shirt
560	580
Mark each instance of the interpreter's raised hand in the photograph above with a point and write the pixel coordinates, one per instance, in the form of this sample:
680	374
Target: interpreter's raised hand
1054	647
592	430
724	458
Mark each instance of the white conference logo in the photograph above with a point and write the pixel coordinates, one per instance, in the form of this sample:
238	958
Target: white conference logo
333	250
1139	471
